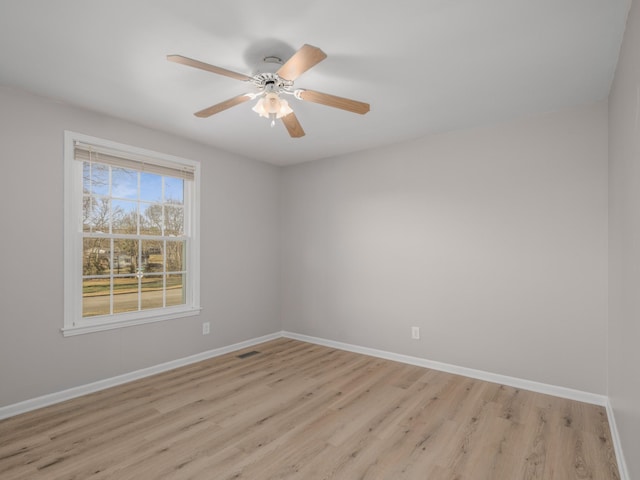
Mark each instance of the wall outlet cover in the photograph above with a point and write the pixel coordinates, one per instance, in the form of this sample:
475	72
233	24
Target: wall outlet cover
415	333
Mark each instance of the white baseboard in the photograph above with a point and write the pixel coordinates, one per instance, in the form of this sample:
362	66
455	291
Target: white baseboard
50	399
554	390
617	444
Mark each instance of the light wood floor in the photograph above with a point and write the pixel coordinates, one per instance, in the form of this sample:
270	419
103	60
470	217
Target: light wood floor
303	411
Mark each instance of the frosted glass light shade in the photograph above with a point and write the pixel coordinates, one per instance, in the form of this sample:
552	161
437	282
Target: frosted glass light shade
271	105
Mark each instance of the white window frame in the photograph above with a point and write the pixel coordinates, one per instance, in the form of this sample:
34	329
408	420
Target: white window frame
74	323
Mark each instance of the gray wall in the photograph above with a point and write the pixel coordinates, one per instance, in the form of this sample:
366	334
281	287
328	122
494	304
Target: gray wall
239	245
624	243
493	241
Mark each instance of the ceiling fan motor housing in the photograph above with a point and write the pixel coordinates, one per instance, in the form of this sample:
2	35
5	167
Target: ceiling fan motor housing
271	82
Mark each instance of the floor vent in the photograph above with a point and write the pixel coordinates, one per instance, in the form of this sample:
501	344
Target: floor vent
248	354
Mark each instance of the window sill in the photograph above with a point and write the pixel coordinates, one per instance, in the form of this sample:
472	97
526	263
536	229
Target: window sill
91	327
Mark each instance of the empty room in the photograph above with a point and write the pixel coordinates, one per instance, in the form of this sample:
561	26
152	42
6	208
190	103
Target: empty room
320	240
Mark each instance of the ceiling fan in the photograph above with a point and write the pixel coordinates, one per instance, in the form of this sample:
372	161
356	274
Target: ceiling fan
272	86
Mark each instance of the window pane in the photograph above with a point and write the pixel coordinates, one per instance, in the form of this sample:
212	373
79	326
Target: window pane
124	183
95	297
173	220
175	256
174	190
95	178
124	217
176	289
151	293
125	256
95	214
125	294
150	187
152	256
96	254
151	219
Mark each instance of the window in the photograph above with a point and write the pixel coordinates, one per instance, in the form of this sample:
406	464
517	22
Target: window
131	235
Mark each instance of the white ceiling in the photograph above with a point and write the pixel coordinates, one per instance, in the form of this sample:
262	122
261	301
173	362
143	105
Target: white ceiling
425	66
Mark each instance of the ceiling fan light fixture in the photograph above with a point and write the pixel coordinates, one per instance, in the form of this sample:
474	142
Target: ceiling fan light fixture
272	106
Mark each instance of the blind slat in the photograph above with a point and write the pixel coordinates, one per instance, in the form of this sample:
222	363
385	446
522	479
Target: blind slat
91	153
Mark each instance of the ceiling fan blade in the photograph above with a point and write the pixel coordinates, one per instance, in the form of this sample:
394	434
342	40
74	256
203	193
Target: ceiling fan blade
205	66
333	101
232	102
293	125
301	61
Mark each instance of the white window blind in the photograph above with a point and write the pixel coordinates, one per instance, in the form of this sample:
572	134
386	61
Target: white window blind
131	161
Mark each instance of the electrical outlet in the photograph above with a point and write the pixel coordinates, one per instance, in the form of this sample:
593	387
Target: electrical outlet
415	333
206	328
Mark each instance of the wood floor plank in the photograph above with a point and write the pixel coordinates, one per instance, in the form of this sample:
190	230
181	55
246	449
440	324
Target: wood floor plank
300	411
